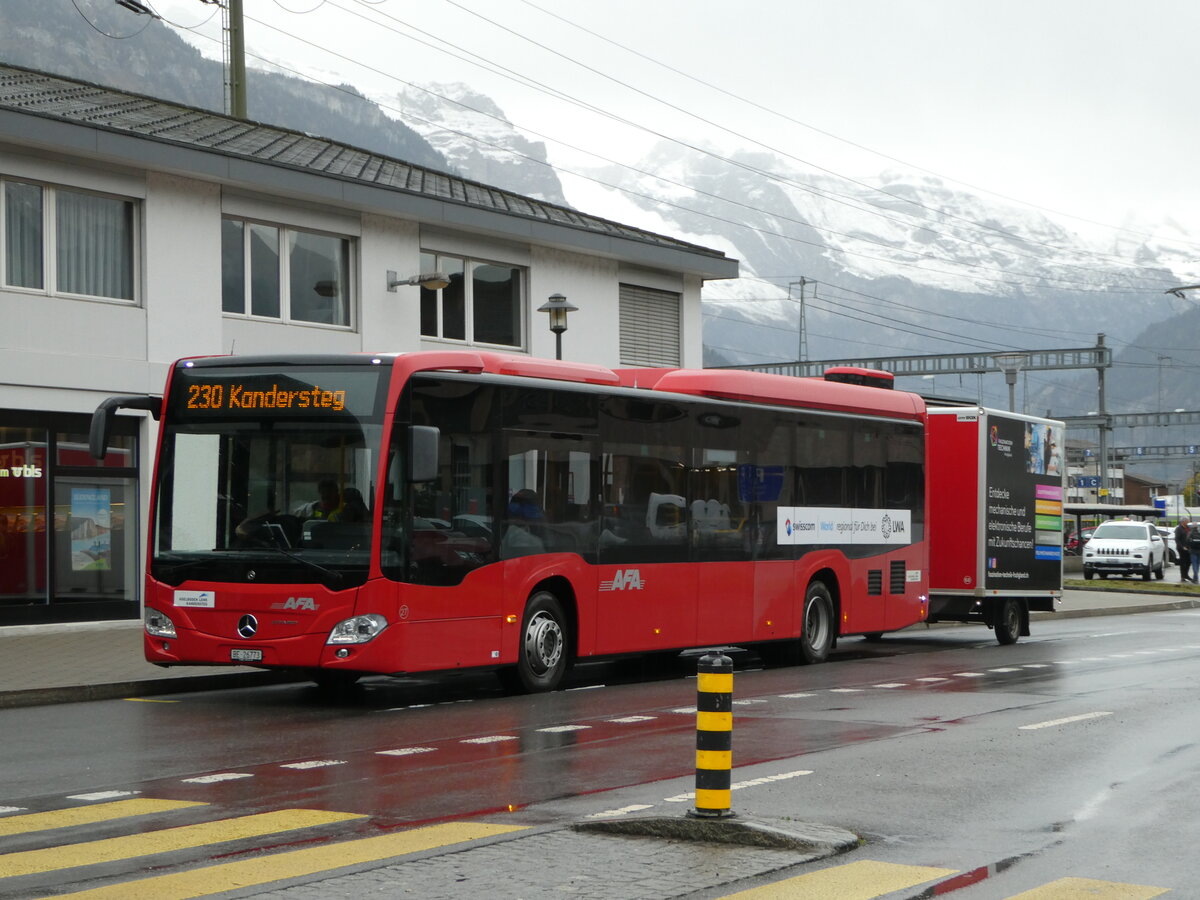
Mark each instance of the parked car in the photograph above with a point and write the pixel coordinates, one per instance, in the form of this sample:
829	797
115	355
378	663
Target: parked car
1168	536
1075	542
1125	548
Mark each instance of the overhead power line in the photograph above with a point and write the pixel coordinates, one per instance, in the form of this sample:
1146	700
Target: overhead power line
1066	283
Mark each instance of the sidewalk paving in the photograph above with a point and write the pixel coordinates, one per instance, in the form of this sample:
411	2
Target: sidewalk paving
42	664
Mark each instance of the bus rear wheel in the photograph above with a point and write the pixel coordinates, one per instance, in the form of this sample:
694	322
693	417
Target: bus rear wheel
544	657
816	636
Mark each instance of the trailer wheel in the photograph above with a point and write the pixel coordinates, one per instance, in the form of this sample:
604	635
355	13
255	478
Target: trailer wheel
1008	622
544	656
816	637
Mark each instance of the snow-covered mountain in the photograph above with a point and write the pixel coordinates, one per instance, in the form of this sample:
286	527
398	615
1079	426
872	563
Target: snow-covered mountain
894	262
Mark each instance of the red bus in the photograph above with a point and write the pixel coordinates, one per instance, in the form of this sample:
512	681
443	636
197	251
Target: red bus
435	511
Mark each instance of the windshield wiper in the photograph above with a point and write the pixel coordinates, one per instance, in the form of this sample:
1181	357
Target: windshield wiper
331	574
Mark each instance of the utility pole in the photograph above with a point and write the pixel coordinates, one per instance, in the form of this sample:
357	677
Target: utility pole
801	337
233	55
1104	426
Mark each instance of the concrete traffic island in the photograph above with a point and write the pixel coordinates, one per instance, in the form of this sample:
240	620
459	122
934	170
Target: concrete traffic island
812	840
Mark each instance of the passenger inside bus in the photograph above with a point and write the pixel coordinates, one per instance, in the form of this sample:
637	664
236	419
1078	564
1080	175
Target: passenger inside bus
524	520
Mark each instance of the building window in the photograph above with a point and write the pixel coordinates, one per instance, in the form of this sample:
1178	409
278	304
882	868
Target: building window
273	272
483	304
68	242
649	327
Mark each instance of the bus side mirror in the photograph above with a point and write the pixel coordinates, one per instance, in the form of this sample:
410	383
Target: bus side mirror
103	416
423	443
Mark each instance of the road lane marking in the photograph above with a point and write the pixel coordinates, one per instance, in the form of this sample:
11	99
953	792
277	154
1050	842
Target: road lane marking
1089	889
558	729
314	764
845	690
89	815
5	810
930	680
51	859
217	778
891	684
1005	669
629	720
1068	720
753	782
103	795
968	674
854	881
490	739
405	751
796	696
623	811
261	870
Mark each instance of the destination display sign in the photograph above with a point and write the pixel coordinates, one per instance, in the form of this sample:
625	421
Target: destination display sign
318	392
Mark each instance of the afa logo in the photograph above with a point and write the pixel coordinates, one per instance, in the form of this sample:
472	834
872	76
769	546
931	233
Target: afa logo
306	603
624	580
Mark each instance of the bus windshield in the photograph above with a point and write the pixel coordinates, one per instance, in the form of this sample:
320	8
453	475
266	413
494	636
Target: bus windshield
269	473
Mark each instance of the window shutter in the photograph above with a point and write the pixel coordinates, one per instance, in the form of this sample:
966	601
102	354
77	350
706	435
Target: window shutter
649	327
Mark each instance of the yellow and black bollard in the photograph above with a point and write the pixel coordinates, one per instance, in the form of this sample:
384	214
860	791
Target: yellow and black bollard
714	735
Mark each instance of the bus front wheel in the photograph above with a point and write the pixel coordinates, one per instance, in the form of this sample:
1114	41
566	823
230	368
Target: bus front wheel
544	655
816	637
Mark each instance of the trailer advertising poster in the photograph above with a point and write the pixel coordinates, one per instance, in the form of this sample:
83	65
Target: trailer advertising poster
1024	505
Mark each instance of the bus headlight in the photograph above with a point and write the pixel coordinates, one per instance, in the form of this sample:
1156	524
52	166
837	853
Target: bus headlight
158	625
357	630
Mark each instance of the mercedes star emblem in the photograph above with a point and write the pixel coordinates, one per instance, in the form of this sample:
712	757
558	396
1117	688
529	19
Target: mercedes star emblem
247	626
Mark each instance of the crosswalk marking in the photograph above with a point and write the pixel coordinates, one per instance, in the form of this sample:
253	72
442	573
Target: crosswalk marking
854	881
87	815
1089	889
216	879
51	859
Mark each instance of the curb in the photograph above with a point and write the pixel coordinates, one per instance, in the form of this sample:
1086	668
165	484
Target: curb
83	693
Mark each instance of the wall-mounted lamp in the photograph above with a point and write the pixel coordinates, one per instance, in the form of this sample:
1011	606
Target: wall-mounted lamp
557	306
433	281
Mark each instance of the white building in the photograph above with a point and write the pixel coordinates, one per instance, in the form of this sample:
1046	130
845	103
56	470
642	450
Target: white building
135	232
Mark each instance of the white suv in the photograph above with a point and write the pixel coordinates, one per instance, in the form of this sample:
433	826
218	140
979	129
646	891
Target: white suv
1125	548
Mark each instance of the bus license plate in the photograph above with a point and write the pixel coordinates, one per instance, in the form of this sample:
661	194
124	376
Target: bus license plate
240	655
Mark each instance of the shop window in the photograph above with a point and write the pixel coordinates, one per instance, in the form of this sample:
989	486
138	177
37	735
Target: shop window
68	523
273	272
72	450
68	242
94	547
24	475
483	304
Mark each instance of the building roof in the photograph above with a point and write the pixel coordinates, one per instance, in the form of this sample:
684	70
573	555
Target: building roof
392	185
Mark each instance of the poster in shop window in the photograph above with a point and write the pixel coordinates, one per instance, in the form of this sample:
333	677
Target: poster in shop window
91	529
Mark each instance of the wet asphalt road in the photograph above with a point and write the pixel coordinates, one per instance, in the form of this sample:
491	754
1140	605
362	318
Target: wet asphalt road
1073	752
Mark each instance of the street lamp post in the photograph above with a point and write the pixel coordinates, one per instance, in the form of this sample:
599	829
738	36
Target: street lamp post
557	307
1010	364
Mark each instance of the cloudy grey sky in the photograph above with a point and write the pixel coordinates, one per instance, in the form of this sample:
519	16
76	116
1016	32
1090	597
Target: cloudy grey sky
1085	107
